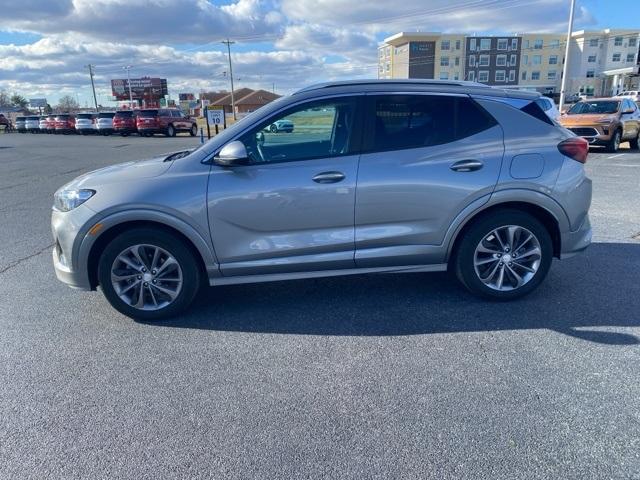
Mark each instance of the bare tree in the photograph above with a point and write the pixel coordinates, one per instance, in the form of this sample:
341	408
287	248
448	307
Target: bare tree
67	104
5	100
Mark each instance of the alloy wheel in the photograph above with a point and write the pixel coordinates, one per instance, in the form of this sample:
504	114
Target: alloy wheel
507	258
146	277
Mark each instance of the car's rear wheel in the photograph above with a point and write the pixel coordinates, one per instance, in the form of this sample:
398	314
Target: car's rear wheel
504	256
171	131
273	128
194	130
148	274
614	143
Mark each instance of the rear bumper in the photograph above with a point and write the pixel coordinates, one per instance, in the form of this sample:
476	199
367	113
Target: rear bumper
125	130
578	241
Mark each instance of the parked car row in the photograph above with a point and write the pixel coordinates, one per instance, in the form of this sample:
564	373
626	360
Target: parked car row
144	122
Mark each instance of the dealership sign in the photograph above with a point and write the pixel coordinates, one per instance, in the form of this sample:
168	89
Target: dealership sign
37	102
145	87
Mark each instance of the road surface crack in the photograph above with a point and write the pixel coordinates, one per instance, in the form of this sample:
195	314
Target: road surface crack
15	263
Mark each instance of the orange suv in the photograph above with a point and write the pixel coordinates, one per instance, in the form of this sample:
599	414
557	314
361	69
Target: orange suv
605	121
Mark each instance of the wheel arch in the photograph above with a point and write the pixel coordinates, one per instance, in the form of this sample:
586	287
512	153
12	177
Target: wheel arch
198	246
543	215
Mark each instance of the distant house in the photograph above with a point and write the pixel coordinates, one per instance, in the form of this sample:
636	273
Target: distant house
254	101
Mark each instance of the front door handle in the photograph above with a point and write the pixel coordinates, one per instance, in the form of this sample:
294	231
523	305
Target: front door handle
329	177
467	165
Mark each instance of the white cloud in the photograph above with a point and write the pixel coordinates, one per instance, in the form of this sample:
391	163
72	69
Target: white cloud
312	40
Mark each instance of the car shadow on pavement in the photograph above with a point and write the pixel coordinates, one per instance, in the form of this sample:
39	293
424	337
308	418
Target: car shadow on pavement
583	297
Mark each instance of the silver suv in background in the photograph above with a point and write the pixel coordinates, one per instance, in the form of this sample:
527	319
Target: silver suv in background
85	123
376	176
104	123
32	124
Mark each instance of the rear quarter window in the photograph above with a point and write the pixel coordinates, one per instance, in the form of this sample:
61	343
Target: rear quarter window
415	121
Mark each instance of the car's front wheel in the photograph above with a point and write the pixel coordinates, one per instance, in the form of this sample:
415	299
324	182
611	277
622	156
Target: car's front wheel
171	131
504	256
194	130
148	274
634	143
614	143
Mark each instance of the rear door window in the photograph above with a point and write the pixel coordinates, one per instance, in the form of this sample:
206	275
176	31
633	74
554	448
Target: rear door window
148	113
398	122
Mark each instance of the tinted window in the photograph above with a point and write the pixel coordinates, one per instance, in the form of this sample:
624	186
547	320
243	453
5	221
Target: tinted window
106	115
544	104
148	113
176	113
424	120
314	130
534	109
124	114
62	117
84	115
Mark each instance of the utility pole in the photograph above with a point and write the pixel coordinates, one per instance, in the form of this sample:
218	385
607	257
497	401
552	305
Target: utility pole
128	68
233	100
93	86
565	67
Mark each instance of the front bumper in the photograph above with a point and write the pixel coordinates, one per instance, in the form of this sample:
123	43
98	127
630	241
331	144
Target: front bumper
68	230
595	134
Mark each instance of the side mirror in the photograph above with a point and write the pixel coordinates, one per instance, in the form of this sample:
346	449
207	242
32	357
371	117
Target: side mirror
233	153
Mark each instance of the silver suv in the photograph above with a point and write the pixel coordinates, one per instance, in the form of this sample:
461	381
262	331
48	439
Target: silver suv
376	176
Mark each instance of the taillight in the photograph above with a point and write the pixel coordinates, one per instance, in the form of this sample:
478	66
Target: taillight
576	148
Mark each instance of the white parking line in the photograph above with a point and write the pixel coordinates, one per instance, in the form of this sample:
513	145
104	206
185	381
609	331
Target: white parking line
616	156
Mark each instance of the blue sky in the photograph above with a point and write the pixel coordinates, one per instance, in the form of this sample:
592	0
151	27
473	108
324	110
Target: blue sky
45	45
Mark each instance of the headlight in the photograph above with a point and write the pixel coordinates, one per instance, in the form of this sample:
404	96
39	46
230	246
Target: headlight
605	120
65	200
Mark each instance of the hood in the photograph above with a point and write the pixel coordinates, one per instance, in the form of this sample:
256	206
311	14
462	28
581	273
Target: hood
586	119
123	172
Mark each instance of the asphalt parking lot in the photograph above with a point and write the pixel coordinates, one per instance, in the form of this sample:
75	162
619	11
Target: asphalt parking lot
384	376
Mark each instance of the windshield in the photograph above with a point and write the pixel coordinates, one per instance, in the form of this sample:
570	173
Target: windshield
594	108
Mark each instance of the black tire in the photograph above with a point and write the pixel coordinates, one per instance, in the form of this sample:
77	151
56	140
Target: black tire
614	143
635	142
171	131
165	240
273	128
124	134
194	130
463	258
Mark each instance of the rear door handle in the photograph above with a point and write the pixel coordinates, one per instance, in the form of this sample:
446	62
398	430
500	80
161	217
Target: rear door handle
467	165
329	177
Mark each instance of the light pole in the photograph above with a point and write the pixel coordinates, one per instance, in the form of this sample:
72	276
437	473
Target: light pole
93	87
233	100
565	67
128	68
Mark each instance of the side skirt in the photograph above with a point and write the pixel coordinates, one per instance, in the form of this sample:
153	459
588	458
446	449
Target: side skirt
275	277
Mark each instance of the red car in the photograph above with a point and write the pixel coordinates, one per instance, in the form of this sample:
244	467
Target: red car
65	123
4	121
50	122
167	121
124	122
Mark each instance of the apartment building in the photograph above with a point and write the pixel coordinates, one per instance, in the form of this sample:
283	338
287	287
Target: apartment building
542	60
602	62
492	60
422	55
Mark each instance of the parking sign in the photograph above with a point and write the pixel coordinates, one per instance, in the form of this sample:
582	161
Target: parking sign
215	117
